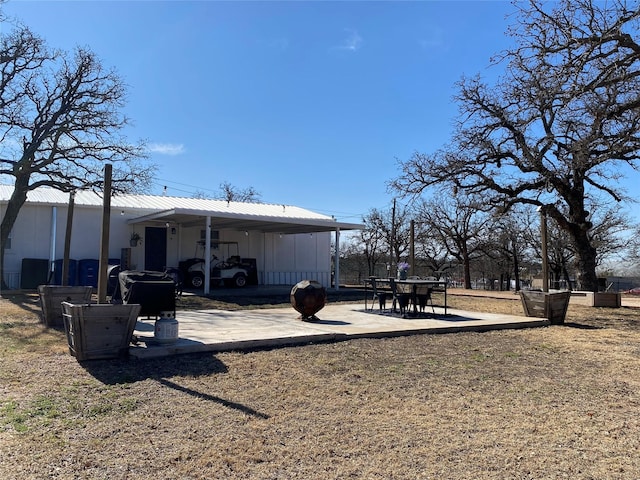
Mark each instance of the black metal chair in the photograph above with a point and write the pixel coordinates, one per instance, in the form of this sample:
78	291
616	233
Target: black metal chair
379	295
402	293
423	297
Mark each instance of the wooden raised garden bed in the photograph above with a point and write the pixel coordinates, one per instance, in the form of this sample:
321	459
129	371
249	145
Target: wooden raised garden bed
52	296
550	305
99	331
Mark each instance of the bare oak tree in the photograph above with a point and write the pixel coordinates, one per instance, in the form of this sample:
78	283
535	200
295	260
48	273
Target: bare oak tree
386	235
60	122
559	126
458	223
431	256
371	240
231	193
507	244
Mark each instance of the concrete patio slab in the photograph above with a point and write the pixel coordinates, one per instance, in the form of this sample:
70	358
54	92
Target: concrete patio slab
219	330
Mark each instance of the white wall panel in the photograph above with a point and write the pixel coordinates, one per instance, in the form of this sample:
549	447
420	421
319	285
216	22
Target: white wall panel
281	259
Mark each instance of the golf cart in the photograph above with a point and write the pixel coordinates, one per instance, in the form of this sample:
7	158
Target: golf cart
232	272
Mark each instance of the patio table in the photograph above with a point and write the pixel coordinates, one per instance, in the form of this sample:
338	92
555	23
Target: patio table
384	284
434	285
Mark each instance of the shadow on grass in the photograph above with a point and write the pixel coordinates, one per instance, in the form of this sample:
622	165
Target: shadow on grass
213	398
21	326
30	303
581	326
112	372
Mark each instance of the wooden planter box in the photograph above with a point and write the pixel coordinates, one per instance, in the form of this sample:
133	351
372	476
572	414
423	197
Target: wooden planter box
99	331
607	299
552	306
51	298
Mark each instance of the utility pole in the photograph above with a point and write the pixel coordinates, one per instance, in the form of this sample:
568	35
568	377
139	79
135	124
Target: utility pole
545	258
104	238
67	239
412	250
393	237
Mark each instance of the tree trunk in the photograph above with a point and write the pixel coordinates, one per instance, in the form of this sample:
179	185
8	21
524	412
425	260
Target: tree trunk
466	265
555	277
17	200
516	268
586	263
567	277
370	265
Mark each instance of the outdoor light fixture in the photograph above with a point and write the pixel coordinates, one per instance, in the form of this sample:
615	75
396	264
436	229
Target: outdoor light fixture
246	233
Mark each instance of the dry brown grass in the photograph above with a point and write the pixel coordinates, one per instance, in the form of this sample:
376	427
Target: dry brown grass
555	402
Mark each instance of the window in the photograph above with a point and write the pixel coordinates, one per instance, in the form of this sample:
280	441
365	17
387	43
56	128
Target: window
215	238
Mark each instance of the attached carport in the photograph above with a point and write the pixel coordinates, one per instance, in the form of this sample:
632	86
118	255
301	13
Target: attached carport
265	218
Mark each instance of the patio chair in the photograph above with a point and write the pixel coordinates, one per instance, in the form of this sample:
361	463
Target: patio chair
378	294
402	293
423	297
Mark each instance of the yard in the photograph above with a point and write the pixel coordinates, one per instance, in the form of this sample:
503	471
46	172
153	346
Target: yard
554	402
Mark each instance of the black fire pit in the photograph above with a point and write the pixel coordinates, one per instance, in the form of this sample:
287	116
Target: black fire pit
308	297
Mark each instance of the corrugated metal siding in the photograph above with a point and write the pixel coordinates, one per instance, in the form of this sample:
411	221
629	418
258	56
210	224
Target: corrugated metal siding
154	203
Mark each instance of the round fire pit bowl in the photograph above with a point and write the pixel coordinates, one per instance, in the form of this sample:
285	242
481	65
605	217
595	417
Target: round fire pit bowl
308	297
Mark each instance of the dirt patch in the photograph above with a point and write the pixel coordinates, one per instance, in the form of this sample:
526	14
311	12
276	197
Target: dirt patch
555	402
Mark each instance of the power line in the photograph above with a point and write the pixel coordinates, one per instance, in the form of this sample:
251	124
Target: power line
196	189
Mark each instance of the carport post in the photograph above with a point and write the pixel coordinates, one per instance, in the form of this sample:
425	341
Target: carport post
207	256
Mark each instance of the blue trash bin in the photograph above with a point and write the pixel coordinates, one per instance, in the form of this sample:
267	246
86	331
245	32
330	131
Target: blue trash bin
88	272
73	272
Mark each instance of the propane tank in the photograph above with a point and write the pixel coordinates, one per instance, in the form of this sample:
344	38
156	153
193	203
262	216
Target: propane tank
166	328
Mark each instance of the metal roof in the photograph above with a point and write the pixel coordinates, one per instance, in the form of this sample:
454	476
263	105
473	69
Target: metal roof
263	217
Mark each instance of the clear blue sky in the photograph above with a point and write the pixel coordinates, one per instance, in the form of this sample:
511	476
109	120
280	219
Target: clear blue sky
310	103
